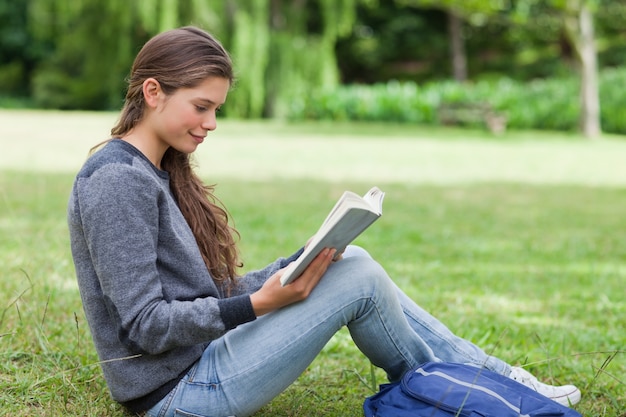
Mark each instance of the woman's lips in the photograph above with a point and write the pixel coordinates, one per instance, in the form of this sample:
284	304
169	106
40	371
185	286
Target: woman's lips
197	138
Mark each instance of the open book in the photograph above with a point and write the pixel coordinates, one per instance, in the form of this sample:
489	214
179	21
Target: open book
351	215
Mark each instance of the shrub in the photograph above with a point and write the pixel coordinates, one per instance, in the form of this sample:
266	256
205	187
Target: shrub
546	104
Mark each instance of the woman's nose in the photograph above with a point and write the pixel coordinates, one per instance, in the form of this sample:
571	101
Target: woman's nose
210	122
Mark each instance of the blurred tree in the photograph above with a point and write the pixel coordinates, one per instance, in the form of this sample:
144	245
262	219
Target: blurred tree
18	51
282	50
576	21
91	45
579	28
389	41
475	12
86	62
578	24
250	48
76	54
610	25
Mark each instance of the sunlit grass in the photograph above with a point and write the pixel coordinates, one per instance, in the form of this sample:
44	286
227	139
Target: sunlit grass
532	272
536	280
367	152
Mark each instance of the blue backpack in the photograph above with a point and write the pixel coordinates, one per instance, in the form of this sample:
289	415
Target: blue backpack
451	389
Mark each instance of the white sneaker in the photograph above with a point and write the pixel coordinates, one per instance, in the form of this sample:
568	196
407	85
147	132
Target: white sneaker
566	395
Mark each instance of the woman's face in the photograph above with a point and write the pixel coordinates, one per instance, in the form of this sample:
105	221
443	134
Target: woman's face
183	119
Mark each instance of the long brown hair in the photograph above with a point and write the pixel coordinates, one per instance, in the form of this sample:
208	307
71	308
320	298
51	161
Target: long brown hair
183	58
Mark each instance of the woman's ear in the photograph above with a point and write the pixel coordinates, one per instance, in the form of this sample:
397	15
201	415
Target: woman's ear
152	92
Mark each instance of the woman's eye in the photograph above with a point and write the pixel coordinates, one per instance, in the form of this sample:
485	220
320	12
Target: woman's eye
201	109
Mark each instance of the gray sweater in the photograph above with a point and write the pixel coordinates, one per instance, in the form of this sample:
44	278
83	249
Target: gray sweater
150	302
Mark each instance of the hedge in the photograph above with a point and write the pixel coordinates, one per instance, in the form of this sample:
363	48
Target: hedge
546	104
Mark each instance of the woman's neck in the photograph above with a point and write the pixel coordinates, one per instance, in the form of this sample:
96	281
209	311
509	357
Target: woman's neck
147	144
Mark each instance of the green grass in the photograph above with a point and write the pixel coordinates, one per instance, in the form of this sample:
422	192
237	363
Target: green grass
534	272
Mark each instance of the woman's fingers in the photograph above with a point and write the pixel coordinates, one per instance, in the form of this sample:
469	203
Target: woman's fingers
273	295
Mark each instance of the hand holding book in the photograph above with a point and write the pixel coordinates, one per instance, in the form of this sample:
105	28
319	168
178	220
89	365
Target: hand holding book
350	216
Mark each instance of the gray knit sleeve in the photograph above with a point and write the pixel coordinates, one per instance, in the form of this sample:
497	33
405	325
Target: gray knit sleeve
156	289
253	280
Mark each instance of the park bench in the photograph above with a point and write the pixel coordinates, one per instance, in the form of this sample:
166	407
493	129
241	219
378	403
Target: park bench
471	114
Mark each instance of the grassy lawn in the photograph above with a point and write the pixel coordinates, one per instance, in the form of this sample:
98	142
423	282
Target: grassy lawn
516	243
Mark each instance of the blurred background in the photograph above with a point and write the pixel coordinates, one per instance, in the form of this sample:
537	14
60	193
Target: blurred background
510	228
500	64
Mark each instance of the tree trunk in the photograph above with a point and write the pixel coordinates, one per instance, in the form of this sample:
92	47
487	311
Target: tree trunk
457	46
589	94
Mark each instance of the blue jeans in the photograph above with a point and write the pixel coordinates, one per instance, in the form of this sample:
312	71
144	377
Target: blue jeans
246	368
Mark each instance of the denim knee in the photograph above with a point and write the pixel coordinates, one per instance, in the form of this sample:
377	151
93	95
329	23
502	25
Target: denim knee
358	276
353	250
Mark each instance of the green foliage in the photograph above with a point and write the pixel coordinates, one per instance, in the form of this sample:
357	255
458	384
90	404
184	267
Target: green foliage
613	111
523	40
468	8
282	50
550	104
11	75
76	54
18	49
85	61
10	102
250	46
